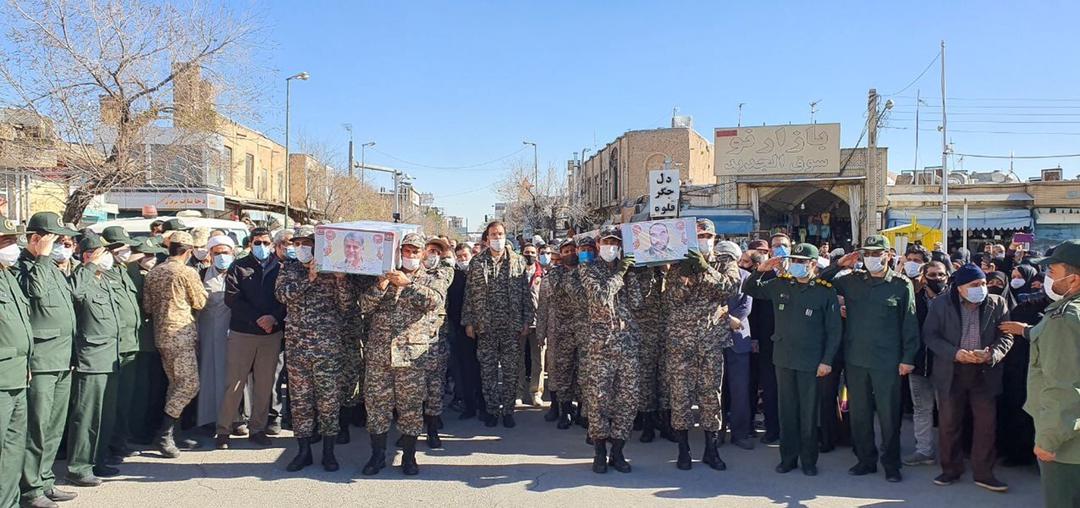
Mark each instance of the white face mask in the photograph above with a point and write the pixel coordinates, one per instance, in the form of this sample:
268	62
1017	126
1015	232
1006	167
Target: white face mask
912	268
497	244
105	263
609	252
10	254
410	264
201	254
1048	287
976	294
705	245
822	263
463	265
60	253
305	254
431	261
147	263
123	255
874	265
1016	283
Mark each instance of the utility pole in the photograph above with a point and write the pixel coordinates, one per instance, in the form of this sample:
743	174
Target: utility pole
813	109
536	172
740	114
917	102
348	127
871	158
944	160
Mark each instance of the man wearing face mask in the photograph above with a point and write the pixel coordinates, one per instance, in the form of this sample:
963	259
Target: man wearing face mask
962	330
932	284
52	319
315	303
437	357
463	353
200	256
148	401
880	342
404	307
763	371
571	360
553	327
213	334
497	312
914	259
17	341
806	338
173	294
97	359
529	384
737	351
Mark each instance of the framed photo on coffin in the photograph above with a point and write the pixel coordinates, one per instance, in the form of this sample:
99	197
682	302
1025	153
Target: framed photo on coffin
363	247
659	242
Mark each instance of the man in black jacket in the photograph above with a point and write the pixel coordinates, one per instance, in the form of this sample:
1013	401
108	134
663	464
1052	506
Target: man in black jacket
763	373
255	336
463	349
934	277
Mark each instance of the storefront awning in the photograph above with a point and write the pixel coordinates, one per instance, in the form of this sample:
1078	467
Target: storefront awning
980	218
727	221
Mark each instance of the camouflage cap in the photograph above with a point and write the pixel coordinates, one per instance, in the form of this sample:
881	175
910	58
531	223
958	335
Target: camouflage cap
49	223
585	241
610	232
9	227
441	242
875	242
199	236
706	226
181	238
569	242
117	234
304	231
147	246
728	248
804	251
414	239
175	225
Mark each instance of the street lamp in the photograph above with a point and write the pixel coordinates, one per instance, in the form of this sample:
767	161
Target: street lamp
536	180
303	76
363	156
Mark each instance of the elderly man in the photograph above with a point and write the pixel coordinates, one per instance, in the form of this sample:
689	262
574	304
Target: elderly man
16	338
214	328
737	355
173	292
354	250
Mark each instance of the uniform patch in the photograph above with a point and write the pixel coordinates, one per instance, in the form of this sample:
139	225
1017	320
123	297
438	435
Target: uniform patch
809	312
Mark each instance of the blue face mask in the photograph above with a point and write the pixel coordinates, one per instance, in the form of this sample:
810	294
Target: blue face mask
798	270
261	252
976	294
780	251
584	257
545	259
290	252
223	261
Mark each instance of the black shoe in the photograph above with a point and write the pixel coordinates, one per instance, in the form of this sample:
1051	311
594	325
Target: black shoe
945	479
122	451
491	420
892	475
378	455
711	456
260	438
768	439
861	469
552	413
617	460
86	480
103	471
165	443
303	455
664	424
599	461
274	427
408	457
744	443
809	470
566	416
683	461
783	468
467	414
508	421
55	494
40	502
343	436
638	421
114	460
188	443
329	461
826	448
221	442
432	426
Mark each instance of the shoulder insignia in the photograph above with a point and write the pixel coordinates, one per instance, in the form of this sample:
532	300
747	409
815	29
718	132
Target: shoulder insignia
823	282
786	276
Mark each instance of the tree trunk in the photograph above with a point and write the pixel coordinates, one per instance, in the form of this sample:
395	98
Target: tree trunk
76	204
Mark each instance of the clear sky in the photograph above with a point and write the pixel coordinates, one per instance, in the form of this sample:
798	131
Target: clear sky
453	84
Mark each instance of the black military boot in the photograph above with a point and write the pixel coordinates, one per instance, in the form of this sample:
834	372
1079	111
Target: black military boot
683	462
552	413
329	462
165	443
378	455
344	416
566	417
599	461
648	427
637	421
664	424
617	460
431	423
408	457
711	456
303	455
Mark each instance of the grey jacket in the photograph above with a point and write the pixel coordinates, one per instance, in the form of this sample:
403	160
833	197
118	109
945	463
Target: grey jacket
942	330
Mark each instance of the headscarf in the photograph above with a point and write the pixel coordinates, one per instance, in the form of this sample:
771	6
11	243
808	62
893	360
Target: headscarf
1013	296
1000	277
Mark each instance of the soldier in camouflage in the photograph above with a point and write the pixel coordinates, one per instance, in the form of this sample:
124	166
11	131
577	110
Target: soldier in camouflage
570	358
611	389
403	307
352	365
438	358
173	292
697	294
650	322
550	331
497	312
315	304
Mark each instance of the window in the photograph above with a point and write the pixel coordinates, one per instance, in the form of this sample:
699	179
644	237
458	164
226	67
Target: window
228	166
249	171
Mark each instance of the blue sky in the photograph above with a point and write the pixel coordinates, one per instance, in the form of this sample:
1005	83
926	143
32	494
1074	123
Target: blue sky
453	84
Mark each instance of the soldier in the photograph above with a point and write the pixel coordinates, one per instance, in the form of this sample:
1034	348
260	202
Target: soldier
17	343
806	338
881	338
438	357
352	365
52	318
403	307
650	321
695	293
612	349
570	312
148	401
496	313
173	292
97	360
314	303
548	328
125	294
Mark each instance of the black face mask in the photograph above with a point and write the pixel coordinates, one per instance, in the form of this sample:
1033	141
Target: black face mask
530	259
995	290
936	286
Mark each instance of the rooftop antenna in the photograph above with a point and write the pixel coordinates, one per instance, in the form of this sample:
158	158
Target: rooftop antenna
741	104
813	109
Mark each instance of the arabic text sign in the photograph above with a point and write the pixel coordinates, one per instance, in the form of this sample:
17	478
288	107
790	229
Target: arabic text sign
659	241
784	149
663	193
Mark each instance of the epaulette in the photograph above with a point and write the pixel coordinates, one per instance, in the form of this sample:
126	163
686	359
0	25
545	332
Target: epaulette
823	282
786	276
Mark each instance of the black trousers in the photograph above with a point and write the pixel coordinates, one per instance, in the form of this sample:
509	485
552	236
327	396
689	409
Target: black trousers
763	378
829	412
467	368
968	392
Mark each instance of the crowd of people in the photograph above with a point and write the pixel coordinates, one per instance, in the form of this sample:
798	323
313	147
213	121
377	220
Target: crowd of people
108	340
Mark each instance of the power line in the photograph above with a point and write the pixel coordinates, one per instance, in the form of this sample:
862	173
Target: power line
968	131
470	166
1065	156
917	78
1001	99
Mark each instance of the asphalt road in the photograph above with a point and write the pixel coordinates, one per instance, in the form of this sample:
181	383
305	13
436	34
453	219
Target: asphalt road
532	464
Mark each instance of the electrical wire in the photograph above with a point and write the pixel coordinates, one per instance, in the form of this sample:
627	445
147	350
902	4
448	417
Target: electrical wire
977	156
969	131
917	78
469	166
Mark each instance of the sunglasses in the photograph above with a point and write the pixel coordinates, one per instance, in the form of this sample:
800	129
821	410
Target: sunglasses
265	244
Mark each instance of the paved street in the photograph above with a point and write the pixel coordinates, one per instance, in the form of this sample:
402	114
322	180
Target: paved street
529	465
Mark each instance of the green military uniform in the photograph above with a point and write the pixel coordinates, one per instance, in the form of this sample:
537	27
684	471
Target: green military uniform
148	398
807	334
882	332
125	294
16	345
97	358
52	318
1052	397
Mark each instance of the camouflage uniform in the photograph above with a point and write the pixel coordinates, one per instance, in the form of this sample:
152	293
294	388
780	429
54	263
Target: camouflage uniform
438	357
314	348
405	316
650	322
573	323
352	365
548	327
695	342
611	387
173	292
497	307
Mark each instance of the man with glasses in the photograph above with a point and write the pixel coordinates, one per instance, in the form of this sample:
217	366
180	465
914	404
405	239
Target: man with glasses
933	284
761	347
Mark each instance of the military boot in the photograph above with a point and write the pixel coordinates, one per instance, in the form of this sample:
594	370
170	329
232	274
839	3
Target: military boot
432	425
408	457
648	427
599	461
617	460
711	456
359	416
303	455
343	436
329	461
664	424
378	455
566	416
684	461
552	413
165	443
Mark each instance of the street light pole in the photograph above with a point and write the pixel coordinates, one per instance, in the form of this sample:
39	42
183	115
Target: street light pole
536	179
363	156
944	160
303	76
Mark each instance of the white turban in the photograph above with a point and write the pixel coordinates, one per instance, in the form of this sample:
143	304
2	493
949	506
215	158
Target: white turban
220	240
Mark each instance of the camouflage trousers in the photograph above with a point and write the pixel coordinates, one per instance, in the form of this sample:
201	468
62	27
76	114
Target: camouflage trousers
352	371
438	358
182	369
649	378
313	362
611	389
498	354
388	388
695	373
565	377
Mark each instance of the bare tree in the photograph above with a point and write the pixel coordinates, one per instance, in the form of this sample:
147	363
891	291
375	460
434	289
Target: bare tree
541	207
106	72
